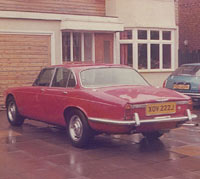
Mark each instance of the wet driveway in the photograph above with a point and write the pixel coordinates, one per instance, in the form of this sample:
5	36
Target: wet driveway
41	151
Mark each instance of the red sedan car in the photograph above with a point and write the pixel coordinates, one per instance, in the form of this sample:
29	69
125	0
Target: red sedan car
92	99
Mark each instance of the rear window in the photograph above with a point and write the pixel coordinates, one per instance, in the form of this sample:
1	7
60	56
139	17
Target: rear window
111	76
189	70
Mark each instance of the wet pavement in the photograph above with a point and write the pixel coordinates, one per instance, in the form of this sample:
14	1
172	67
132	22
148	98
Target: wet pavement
39	151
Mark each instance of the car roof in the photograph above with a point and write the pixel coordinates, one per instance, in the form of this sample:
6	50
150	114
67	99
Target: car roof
191	64
82	65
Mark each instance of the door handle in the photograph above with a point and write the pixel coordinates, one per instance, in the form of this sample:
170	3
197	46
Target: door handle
65	92
42	89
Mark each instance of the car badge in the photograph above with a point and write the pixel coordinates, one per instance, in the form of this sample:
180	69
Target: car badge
162	99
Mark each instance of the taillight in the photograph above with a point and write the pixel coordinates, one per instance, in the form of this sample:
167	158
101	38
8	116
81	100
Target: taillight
128	112
164	83
190	104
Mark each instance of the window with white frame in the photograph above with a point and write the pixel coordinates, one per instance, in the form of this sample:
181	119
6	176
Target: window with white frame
78	46
147	49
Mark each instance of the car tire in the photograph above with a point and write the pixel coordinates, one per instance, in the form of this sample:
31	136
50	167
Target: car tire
14	118
153	135
79	131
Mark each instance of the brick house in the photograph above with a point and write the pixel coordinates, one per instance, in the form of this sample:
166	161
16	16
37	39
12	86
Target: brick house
37	33
189	31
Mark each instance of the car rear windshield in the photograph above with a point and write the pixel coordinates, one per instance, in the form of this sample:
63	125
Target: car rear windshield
111	76
189	70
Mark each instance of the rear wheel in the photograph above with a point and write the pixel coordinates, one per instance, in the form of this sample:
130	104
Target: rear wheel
14	118
78	128
153	135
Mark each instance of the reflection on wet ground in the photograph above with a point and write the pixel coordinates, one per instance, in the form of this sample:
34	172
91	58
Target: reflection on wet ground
37	150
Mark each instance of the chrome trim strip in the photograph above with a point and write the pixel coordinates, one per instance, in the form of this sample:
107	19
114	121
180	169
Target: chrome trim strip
197	95
138	106
108	121
182	102
135	106
138	122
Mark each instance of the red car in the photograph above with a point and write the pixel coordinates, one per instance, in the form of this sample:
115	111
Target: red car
91	99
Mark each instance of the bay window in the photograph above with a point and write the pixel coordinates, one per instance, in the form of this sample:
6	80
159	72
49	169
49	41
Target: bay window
147	49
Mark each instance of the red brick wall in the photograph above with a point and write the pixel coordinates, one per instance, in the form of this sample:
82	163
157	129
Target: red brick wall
189	24
79	7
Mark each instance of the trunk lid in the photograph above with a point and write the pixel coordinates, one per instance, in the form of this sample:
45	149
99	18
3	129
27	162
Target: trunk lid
144	94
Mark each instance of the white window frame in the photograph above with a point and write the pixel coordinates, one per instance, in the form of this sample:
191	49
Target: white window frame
82	46
135	41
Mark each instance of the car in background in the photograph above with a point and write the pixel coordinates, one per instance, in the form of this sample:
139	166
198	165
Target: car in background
186	80
89	99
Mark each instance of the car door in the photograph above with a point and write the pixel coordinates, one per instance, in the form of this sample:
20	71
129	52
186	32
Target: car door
40	86
28	102
28	97
55	97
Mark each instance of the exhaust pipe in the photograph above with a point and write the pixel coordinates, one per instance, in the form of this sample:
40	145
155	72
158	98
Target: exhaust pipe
191	125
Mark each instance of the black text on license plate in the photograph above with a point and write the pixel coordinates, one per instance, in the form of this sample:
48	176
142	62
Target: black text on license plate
160	108
181	86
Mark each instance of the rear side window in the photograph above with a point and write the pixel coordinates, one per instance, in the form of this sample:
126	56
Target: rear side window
189	70
61	77
72	81
44	78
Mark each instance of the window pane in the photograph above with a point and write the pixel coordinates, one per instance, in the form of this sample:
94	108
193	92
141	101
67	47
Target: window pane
166	35
110	76
61	77
126	54
188	70
127	34
166	56
87	46
142	34
72	81
154	35
155	56
76	46
66	46
44	78
142	56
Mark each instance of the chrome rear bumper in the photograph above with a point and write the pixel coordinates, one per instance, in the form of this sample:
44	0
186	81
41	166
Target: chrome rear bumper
193	95
138	122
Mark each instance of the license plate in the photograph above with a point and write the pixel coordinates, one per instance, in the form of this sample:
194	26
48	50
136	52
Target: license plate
181	86
160	108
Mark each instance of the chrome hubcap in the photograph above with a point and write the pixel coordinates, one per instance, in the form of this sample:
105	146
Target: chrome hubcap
11	111
75	128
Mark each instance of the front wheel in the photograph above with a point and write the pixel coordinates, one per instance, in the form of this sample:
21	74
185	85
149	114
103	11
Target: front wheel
78	128
14	118
153	135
